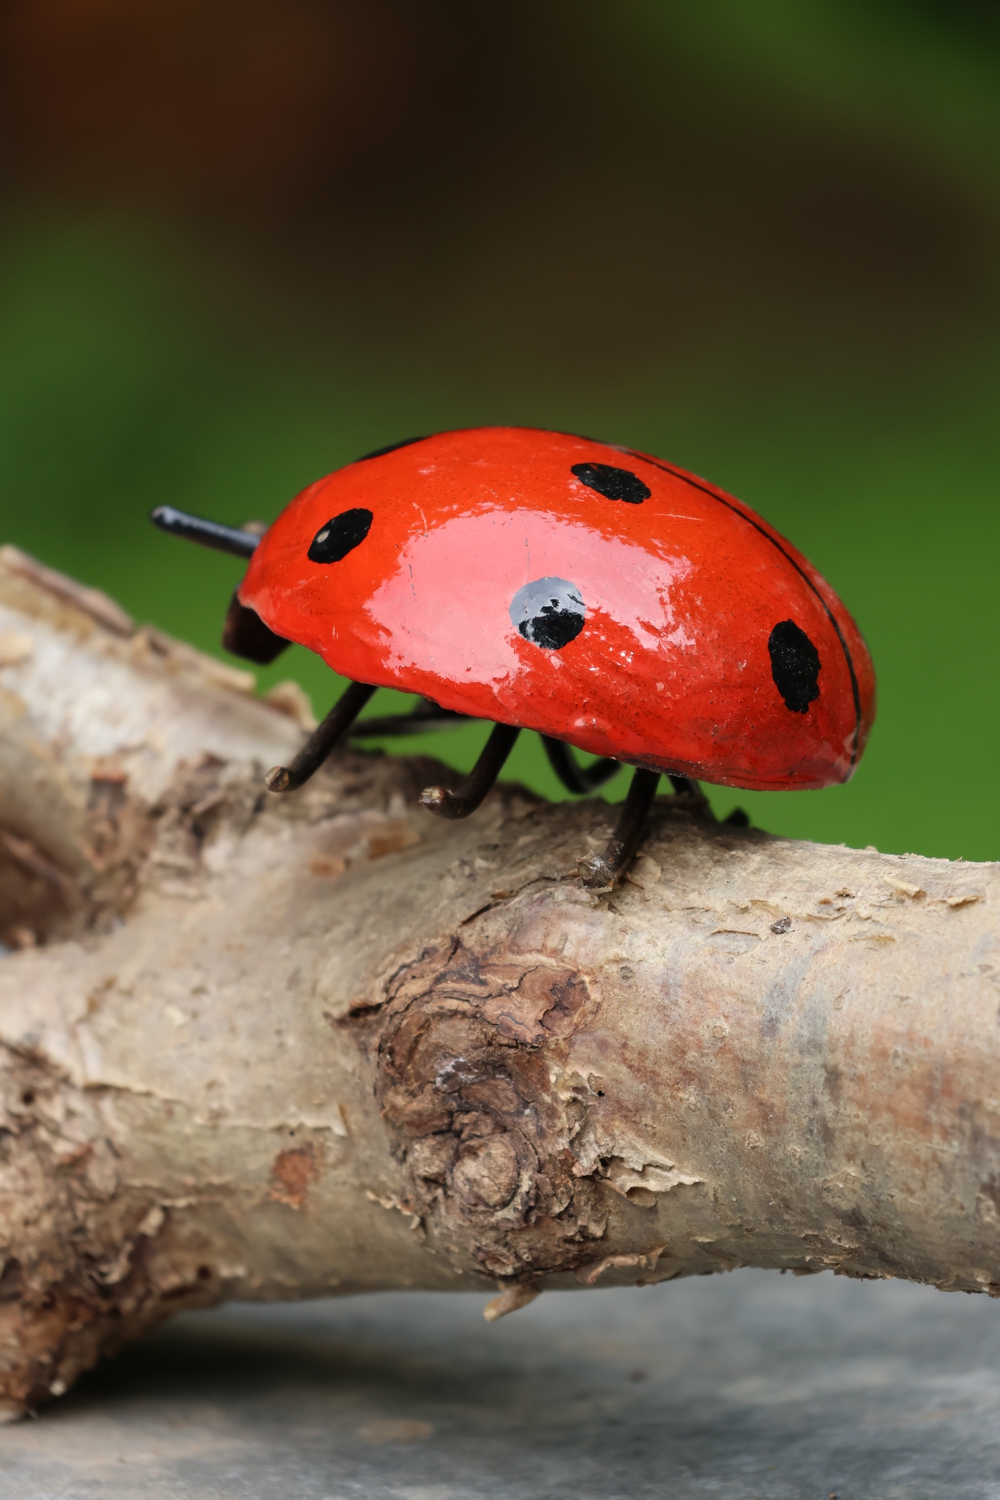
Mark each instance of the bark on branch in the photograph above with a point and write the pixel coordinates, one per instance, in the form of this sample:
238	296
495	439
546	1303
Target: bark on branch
262	1047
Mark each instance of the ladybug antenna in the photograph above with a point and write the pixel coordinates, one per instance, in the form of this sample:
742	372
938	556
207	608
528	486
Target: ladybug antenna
208	533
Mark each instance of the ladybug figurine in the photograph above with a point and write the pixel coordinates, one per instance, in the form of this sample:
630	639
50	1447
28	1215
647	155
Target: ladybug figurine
600	596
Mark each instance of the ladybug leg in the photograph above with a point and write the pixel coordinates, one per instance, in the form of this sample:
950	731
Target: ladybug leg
698	803
322	740
424	718
683	784
438	799
576	778
600	871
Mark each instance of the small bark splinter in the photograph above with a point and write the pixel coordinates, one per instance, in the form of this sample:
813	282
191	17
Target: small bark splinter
269	1047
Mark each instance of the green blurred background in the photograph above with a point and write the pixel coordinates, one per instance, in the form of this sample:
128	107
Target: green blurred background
243	243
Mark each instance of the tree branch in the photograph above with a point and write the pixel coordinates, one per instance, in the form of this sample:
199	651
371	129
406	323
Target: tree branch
277	1047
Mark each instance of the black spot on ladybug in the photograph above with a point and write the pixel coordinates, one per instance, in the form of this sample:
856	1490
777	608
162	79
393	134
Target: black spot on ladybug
794	665
340	536
549	612
389	448
613	484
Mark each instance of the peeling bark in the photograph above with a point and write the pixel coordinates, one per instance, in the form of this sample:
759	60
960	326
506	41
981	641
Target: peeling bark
263	1047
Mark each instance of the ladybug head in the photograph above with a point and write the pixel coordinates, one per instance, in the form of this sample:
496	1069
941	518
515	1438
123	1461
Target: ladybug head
244	632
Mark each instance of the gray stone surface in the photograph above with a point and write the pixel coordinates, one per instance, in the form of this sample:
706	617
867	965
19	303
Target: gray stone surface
746	1387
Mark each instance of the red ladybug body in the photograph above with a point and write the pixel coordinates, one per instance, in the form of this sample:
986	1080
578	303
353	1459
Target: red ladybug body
598	595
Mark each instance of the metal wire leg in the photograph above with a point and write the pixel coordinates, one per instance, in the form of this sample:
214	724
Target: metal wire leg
600	871
576	778
322	740
423	718
694	798
682	784
438	799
